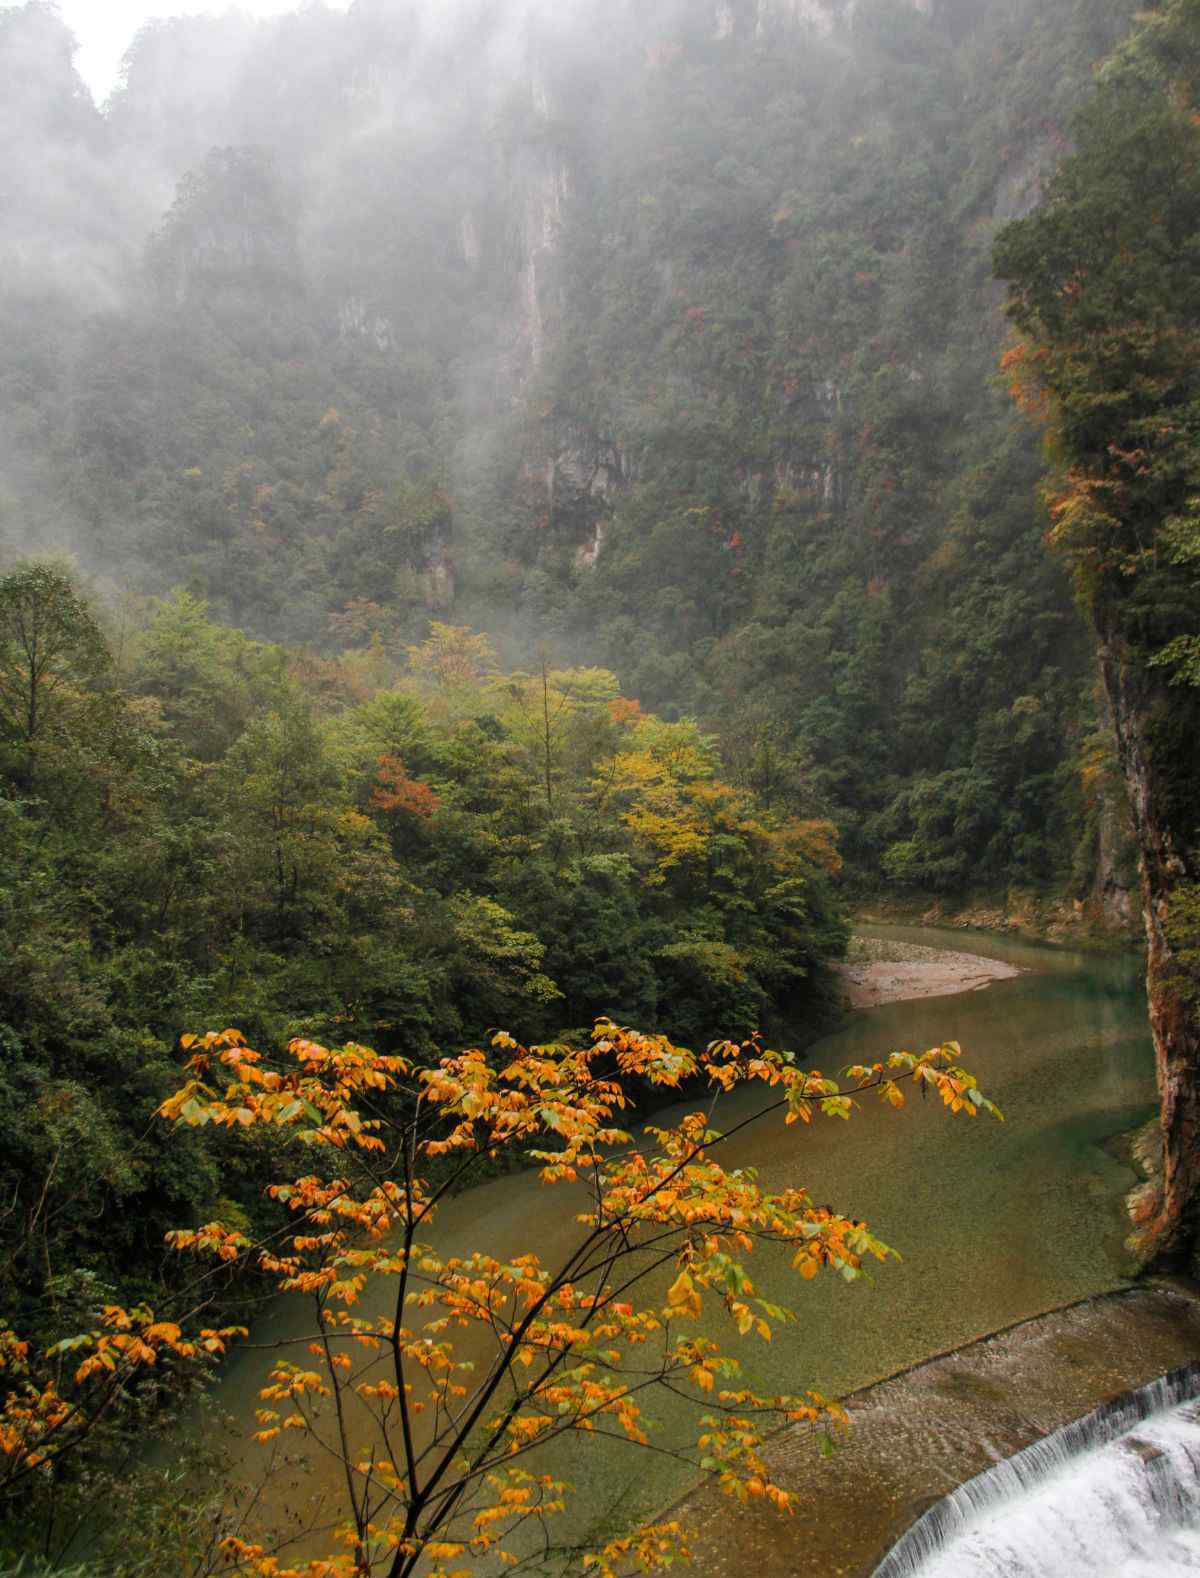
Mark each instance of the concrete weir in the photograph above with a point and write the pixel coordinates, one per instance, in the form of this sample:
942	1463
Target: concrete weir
921	1434
1116	1492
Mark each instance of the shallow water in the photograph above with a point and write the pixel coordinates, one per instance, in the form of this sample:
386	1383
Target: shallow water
995	1221
934	1427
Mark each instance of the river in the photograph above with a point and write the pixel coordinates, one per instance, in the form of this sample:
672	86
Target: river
996	1222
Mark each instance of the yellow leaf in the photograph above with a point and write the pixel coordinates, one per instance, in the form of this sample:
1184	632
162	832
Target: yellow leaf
682	1296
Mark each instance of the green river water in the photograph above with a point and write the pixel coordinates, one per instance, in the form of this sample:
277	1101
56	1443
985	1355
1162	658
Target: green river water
995	1221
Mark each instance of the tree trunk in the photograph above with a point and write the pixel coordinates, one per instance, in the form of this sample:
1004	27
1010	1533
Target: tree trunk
1166	1218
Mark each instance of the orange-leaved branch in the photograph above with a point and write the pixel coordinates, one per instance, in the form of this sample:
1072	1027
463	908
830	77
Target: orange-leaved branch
435	1380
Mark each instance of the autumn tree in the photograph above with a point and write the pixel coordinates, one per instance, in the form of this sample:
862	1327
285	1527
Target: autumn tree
1104	290
451	657
437	1410
217	824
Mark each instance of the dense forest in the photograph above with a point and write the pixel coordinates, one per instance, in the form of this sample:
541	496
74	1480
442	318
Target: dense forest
509	514
699	387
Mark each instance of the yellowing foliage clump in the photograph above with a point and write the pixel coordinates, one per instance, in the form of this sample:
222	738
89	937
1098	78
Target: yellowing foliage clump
437	1466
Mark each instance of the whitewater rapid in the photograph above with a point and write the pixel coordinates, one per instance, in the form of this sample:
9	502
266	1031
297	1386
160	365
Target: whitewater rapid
1114	1495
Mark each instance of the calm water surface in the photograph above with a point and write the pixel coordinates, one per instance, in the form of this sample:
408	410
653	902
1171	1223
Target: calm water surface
995	1221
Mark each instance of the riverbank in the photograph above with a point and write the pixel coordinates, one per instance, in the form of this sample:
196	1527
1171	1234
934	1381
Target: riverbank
929	1427
921	1433
1016	913
881	970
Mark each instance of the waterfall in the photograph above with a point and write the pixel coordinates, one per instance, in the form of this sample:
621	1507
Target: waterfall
1113	1495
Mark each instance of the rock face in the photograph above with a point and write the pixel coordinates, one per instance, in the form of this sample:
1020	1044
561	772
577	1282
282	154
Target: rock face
583	470
1115	892
542	185
494	209
356	320
1020	189
1168	1230
437	581
822	14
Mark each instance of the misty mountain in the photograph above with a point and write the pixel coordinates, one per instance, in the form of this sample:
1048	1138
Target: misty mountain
663	333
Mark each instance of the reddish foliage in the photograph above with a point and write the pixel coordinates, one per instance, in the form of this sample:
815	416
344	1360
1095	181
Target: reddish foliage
623	710
398	792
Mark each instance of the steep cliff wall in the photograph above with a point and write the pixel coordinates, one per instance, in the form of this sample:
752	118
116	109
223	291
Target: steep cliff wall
684	316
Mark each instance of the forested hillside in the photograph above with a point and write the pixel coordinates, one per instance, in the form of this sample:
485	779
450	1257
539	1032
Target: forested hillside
662	335
509	514
198	827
